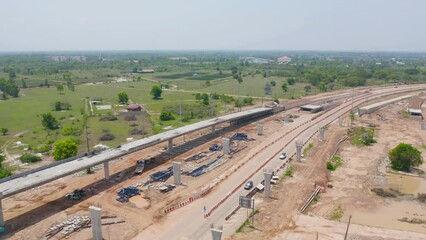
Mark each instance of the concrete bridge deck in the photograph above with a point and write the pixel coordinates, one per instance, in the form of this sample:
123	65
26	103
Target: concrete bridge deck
36	178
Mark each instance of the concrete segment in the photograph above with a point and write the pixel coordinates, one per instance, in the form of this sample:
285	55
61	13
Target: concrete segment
321	134
226	146
176	173
95	217
259	129
267	183
299	151
106	170
376	106
170	146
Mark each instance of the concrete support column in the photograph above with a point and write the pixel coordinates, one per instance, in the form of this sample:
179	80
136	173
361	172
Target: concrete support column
216	232
260	129
226	146
299	145
340	122
1	211
267	183
95	217
106	170
422	125
170	146
321	134
213	129
176	173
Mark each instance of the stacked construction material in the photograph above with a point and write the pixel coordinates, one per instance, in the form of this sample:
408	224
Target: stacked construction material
125	193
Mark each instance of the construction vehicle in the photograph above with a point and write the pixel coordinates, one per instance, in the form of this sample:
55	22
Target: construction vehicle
140	165
76	195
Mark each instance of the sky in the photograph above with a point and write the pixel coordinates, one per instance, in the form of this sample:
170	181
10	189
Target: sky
324	25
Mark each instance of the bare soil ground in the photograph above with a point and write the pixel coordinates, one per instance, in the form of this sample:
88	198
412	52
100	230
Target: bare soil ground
31	213
363	168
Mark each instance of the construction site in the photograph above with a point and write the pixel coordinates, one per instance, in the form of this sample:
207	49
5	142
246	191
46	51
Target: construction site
152	192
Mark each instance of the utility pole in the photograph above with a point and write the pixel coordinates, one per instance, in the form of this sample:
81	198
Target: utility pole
180	113
347	228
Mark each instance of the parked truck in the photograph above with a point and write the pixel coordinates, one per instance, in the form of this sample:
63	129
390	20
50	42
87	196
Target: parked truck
140	164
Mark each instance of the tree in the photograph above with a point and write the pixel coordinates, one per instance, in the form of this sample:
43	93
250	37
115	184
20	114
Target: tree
208	83
123	97
322	87
24	84
60	88
273	83
198	96
4	131
9	87
239	78
308	88
166	116
65	149
291	81
284	87
49	121
12	74
404	156
205	98
156	91
267	89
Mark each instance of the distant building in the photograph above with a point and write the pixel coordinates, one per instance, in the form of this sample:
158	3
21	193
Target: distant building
283	60
68	58
145	71
179	59
255	60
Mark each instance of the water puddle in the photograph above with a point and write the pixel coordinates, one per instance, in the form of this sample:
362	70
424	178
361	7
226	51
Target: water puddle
407	184
387	216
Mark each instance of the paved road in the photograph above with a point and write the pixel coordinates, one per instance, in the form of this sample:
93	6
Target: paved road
189	222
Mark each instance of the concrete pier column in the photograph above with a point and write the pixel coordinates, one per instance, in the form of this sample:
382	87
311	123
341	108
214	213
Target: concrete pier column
423	126
1	211
216	232
213	129
267	183
226	146
176	173
95	217
106	170
341	122
321	134
260	129
170	146
299	145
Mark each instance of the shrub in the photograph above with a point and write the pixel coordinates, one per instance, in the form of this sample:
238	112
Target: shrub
29	158
130	118
404	156
108	118
166	116
65	148
107	137
71	131
45	148
136	131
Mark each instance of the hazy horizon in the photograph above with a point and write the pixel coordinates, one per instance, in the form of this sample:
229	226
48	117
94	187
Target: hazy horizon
331	25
